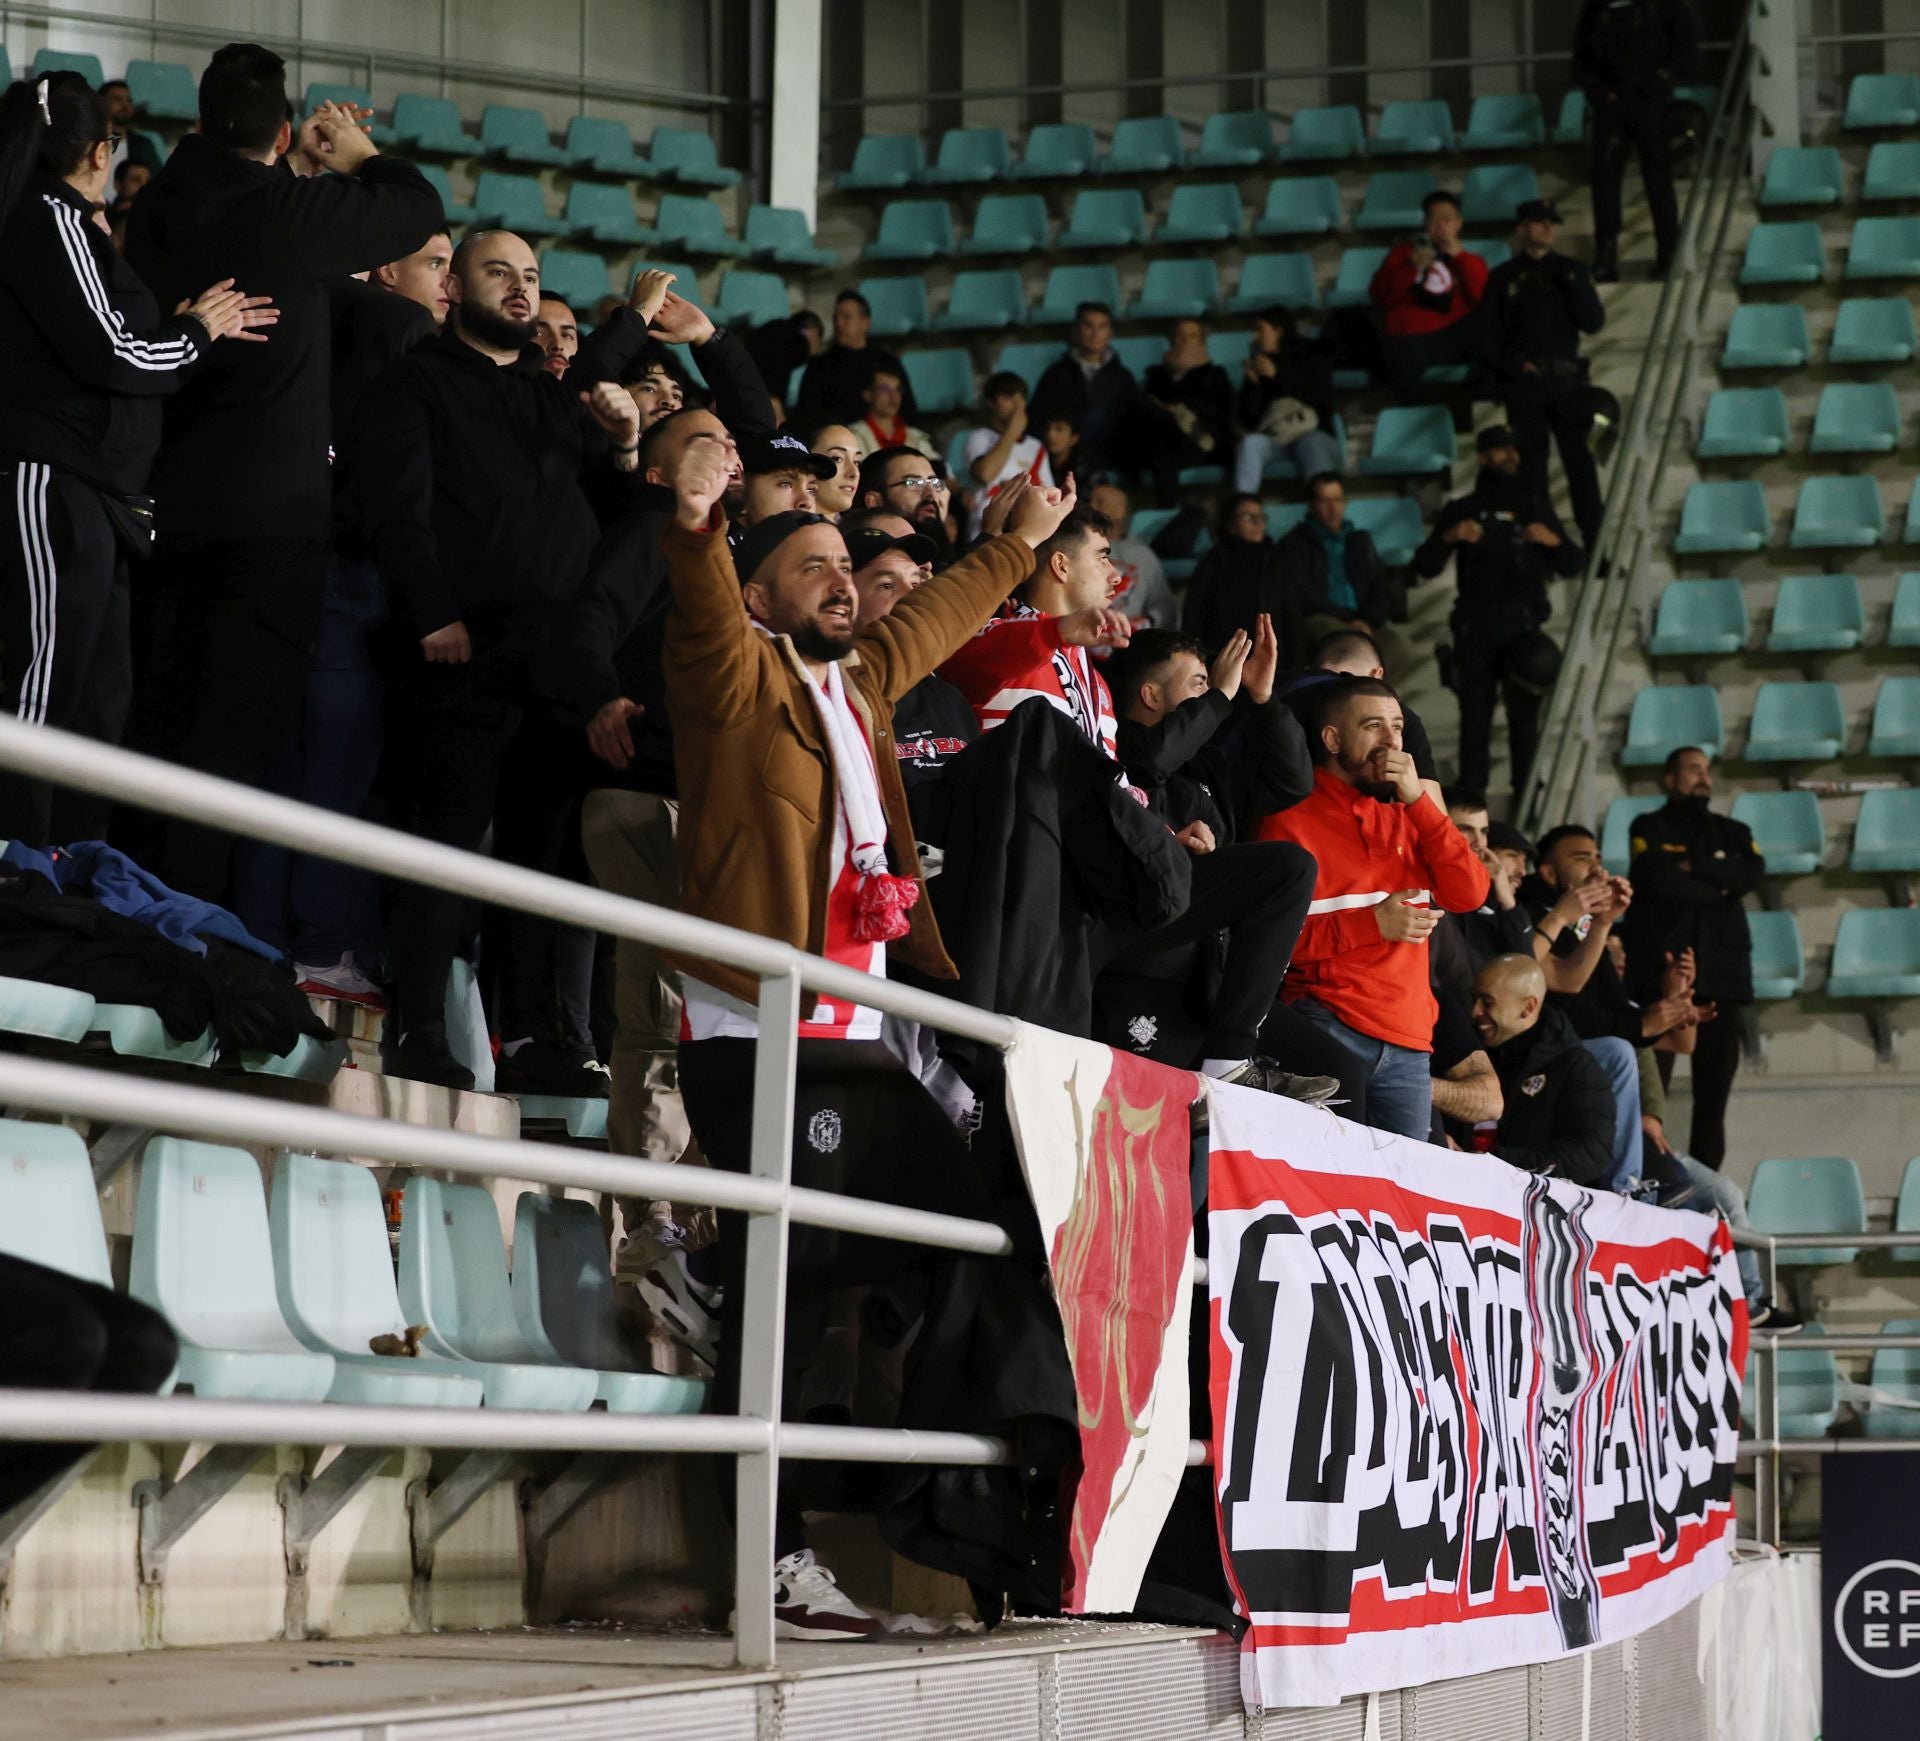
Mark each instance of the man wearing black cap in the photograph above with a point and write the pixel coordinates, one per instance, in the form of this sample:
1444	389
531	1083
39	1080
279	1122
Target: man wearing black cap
1505	542
782	476
1537	307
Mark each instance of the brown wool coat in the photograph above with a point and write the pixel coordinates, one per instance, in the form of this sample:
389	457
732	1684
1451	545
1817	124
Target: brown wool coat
755	775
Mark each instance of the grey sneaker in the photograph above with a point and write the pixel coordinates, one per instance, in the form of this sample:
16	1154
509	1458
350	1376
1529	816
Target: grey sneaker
1266	1075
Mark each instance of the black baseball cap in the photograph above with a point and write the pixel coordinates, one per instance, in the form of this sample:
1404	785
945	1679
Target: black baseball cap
867	542
780	452
1504	837
1537	211
1494	435
766	536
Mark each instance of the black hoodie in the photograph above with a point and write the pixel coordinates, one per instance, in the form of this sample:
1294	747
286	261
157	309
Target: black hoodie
1502	578
1558	1117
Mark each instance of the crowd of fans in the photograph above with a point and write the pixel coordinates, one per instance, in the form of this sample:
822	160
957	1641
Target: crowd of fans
309	497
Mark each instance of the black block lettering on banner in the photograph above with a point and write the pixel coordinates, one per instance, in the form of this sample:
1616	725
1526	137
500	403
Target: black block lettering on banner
1870	1596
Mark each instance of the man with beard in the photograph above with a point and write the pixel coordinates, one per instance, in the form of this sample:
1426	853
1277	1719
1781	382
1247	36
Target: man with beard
1506	543
1389	863
903	481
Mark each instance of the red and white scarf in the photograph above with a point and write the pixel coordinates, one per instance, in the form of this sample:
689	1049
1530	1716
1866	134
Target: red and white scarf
882	900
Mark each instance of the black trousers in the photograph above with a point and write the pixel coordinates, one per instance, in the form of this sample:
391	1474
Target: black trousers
1716	1061
1539	408
1641	127
1258	893
1482	679
223	633
862	1125
58	1333
1406	357
63	640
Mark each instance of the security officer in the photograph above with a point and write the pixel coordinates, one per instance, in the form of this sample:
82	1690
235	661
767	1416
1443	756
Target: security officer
1627	56
1506	543
1535	310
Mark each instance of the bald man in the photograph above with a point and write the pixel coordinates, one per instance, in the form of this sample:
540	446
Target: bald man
1558	1107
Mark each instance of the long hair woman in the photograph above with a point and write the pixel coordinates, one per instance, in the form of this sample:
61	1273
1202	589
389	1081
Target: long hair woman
85	360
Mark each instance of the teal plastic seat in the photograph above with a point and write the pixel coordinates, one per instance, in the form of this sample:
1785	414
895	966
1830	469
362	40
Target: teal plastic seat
1235	139
1411	441
458	212
1787	830
514	202
1282	517
1143	145
1906	1216
310	1060
942	380
1027	358
1008	223
1903	627
682	155
969	155
1723	516
1884	248
1112	217
1393	199
1856	417
1817	613
333	1272
1887	836
597	146
579	280
912	229
1876	954
693	222
1496	252
56	60
163	90
1203	212
519	135
1493	192
1743	422
1069	286
1808	1399
1767	335
1662	720
1056	150
780	233
453	1280
566	1311
1302	205
1616	831
1231	349
1893	171
1873	329
1797	722
1896	1374
1819	1195
1779	963
1571	126
1392	522
983	302
1896	718
1413	129
321	91
1882	100
1274	281
135	1031
601	211
899	305
1504	123
1328	135
1141	351
754	297
1785	254
1700	619
1352	283
203	1258
49	1205
1803	175
1838	514
1176	289
47	1012
882	161
1911	532
426	123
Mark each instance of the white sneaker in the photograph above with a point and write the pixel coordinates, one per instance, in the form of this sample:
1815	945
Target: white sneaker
343	982
809	1603
689	1310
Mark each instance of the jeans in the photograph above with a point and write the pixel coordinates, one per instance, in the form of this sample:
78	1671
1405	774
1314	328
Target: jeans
1313	453
1717	1193
1616	1057
1399	1080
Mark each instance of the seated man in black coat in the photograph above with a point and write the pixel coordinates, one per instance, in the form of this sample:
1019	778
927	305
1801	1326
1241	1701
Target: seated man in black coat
1334	579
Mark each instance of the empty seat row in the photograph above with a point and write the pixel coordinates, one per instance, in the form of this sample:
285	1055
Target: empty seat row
1813	613
1811	175
1882	100
1774	335
1796	253
1789	834
1791	722
1851	417
1830	513
601	212
1810	1388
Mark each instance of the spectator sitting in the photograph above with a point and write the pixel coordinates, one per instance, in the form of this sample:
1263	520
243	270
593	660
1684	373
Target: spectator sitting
1091	386
1066	459
557	334
141	151
1557	1110
1144	594
1187	415
1355	653
837	494
780	347
781	476
1333	576
422	276
904	481
1003	450
1239	581
1389	864
834	386
1463	943
883	425
1427	290
1466	1087
1285	404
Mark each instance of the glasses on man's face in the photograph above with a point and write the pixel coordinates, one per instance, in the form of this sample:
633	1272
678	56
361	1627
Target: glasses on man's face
116	142
923	485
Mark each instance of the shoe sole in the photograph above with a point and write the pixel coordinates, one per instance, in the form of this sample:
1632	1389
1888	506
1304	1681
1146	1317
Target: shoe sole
330	994
835	1632
665	1306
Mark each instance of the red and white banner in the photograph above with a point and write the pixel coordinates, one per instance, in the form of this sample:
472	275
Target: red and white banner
1463	1418
1104	1143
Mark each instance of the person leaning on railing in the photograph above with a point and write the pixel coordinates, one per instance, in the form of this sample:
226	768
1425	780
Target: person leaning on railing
794	824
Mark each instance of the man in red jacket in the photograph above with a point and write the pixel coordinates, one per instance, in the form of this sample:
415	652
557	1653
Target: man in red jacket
1389	863
1425	290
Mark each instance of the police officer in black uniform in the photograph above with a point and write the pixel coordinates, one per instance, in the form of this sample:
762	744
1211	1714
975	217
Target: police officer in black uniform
1535	310
1506	543
1627	56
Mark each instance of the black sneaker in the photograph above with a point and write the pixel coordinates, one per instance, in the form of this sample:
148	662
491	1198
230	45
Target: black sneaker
1768	1319
540	1067
1266	1075
423	1055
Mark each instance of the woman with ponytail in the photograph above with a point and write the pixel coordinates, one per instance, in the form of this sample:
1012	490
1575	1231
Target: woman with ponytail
85	360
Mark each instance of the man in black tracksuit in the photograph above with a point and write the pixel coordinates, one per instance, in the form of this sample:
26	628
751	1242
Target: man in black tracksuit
1506	542
225	624
1627	56
831	389
1535	310
1692	871
466	472
1090	386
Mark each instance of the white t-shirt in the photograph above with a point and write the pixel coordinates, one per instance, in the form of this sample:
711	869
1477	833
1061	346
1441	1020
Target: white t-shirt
1028	456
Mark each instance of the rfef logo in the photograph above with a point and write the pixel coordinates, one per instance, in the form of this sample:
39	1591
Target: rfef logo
1876	1619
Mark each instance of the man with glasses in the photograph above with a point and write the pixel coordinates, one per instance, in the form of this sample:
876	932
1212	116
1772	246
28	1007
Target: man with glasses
903	481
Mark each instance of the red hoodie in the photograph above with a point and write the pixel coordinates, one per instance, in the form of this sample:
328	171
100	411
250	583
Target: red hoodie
1451	290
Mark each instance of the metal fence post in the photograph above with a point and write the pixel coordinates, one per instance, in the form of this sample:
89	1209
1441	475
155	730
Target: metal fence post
759	1320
